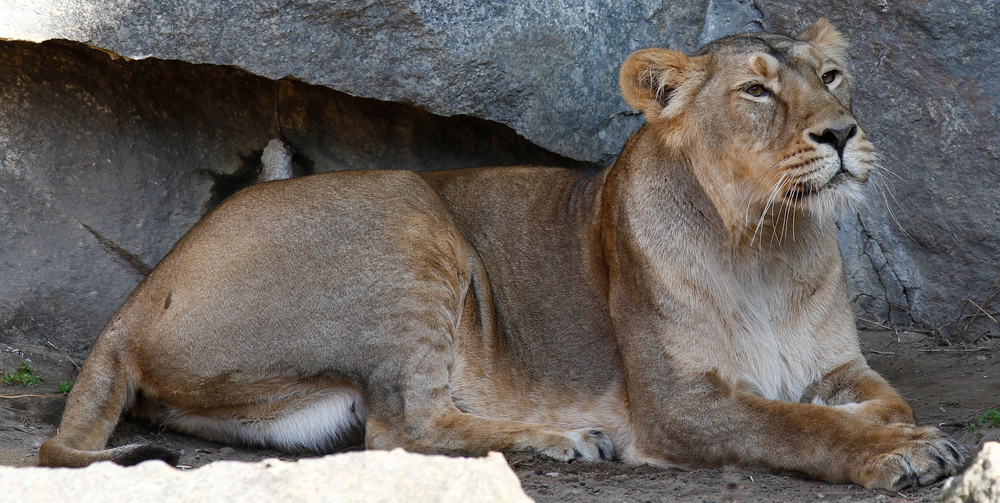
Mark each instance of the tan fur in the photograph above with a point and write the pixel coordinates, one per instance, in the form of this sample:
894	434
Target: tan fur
686	306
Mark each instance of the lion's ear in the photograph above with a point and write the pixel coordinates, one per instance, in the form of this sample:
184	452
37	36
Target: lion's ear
823	35
650	79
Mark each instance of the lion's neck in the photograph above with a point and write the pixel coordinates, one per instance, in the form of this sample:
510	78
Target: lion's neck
754	229
754	224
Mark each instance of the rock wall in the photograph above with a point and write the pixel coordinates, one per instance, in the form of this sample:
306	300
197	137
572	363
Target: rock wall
112	145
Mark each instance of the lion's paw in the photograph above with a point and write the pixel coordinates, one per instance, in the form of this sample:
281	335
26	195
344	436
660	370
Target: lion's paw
928	457
588	444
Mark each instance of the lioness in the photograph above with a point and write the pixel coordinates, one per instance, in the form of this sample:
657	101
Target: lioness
685	306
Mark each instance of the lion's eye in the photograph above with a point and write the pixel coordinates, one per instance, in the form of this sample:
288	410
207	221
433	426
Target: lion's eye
755	90
829	77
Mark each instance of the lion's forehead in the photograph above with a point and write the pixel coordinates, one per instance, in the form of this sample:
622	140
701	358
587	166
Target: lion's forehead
777	46
770	55
803	63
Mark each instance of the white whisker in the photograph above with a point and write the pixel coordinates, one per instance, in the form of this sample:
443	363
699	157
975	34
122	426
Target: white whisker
883	187
767	207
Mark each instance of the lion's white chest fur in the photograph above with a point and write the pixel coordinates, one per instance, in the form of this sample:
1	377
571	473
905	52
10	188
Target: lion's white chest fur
773	352
773	336
786	325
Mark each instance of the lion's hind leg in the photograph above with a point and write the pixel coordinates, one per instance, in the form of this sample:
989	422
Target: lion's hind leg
450	432
101	393
413	408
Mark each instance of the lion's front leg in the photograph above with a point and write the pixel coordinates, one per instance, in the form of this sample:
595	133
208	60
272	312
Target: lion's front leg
705	422
856	388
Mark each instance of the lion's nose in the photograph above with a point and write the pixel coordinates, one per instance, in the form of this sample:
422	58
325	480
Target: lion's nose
836	137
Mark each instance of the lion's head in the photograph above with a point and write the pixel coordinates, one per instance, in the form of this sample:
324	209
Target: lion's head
764	119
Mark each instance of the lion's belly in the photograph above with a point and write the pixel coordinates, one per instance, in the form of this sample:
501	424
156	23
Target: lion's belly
321	421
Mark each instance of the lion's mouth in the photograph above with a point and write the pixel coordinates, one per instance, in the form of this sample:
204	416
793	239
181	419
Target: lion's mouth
840	176
800	192
804	190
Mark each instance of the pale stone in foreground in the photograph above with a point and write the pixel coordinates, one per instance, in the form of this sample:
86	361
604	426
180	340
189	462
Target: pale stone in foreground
980	483
372	476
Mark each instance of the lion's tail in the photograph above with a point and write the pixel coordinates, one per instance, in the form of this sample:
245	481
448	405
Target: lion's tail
104	389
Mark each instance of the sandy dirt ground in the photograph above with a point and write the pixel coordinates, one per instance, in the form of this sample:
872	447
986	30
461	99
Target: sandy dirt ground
947	386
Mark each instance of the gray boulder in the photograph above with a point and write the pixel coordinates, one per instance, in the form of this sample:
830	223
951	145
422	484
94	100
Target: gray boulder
547	69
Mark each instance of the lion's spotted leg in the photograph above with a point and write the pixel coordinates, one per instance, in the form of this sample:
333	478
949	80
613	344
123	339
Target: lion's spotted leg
858	389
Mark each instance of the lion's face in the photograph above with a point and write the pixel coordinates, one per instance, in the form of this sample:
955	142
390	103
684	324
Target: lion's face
769	114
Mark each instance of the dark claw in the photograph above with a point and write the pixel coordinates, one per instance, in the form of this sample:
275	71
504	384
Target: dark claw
605	448
953	451
943	463
911	478
959	453
605	455
604	452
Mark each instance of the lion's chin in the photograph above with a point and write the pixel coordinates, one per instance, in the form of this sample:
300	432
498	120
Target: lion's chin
842	193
